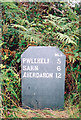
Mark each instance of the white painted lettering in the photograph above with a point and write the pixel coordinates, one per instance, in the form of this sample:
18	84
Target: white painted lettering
58	68
37	75
30	68
24	74
36	60
58	75
24	59
58	61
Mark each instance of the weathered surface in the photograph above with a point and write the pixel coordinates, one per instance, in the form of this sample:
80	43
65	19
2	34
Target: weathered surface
43	77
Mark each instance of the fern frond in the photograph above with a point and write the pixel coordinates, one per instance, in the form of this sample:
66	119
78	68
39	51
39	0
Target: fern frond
57	27
13	7
64	38
19	26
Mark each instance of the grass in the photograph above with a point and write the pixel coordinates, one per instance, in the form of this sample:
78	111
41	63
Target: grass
68	112
73	111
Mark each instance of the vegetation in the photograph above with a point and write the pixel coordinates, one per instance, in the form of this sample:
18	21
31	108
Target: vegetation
38	24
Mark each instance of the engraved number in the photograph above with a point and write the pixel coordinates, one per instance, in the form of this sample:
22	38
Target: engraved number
58	61
58	75
58	68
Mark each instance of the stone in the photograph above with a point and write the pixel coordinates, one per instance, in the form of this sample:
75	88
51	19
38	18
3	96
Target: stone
43	77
